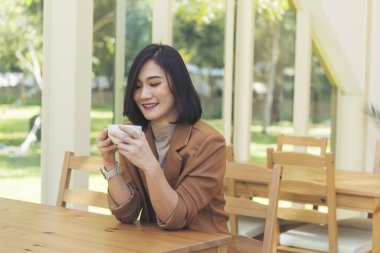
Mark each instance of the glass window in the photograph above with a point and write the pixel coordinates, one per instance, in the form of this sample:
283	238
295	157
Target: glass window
198	34
20	99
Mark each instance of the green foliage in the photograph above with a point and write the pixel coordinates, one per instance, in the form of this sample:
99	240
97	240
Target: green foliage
138	34
374	113
21	31
271	10
198	31
138	29
104	38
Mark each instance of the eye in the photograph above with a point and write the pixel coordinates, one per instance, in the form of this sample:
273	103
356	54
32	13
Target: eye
155	84
137	86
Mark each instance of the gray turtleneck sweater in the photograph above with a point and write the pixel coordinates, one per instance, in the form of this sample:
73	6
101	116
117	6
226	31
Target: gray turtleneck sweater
162	138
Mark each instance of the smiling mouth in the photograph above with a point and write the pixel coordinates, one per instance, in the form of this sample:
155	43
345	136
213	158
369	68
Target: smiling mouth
149	106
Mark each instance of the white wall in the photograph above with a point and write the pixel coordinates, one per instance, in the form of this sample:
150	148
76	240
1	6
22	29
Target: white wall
347	39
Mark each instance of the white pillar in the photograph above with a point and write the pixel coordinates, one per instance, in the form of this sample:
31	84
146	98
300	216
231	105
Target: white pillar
119	62
349	134
162	21
66	96
372	78
301	105
228	70
243	79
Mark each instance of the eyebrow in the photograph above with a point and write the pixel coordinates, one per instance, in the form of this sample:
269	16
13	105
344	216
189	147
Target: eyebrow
150	78
153	77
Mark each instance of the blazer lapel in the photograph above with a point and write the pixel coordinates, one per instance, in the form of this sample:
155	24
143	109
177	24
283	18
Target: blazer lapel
172	166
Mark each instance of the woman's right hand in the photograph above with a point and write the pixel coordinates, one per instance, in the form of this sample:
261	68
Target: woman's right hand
107	148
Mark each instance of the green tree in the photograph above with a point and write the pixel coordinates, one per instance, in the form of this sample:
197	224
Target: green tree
198	31
21	37
138	34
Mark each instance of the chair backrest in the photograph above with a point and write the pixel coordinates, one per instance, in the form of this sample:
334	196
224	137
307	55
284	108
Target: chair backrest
236	205
80	196
376	167
320	187
230	153
302	141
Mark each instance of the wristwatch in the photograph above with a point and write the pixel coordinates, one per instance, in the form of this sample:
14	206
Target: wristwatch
107	174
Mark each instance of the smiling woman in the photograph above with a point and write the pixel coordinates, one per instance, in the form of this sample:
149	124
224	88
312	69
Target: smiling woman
173	172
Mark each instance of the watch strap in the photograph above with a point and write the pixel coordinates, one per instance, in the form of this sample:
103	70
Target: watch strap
107	174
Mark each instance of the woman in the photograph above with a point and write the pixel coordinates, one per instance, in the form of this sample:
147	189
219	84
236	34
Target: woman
173	172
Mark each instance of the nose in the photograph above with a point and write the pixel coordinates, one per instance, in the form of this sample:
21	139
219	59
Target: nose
145	92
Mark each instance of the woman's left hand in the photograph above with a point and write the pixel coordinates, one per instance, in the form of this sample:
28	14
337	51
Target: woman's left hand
136	149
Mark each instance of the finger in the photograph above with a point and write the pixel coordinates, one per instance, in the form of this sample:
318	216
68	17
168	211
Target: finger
124	138
102	135
105	143
126	154
109	148
124	147
130	131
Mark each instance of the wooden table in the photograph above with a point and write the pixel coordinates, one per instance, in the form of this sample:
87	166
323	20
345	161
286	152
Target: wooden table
357	191
29	227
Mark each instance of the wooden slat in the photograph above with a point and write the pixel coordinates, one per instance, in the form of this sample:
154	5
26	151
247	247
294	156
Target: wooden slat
246	172
86	197
302	141
246	207
308	188
86	163
283	248
302	215
230	156
299	159
271	225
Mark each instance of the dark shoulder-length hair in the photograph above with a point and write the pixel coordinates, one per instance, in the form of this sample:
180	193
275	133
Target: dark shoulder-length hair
180	84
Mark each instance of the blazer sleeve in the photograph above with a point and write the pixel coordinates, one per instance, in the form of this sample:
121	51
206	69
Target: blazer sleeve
127	212
203	181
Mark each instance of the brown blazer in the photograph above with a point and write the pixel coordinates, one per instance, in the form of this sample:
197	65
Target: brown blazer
194	167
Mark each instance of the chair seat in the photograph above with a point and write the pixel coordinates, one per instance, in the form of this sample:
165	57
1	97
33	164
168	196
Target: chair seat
356	222
250	226
315	237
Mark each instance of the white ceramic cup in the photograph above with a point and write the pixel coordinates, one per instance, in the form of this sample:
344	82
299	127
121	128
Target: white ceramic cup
116	129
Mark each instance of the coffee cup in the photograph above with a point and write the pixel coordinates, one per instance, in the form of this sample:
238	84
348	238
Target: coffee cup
115	129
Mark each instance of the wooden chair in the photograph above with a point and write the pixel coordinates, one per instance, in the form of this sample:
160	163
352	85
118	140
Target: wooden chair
247	226
80	196
314	237
230	153
321	191
236	205
302	141
360	223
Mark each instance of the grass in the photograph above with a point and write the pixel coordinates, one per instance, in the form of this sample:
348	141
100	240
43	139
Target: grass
20	177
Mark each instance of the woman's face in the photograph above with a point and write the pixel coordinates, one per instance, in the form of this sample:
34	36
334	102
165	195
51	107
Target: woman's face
153	95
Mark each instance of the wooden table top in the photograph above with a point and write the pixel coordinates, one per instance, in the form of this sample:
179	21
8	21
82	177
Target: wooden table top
26	226
347	182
